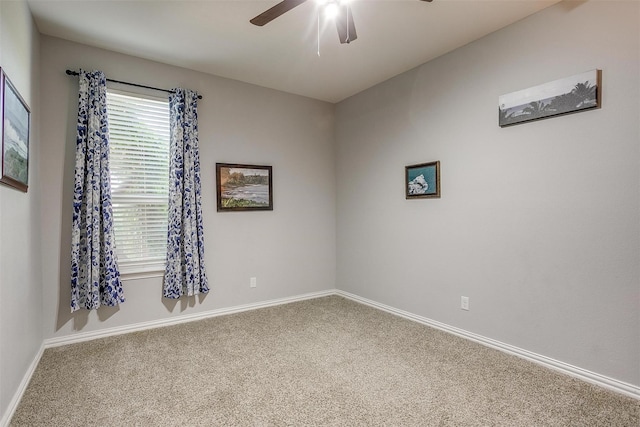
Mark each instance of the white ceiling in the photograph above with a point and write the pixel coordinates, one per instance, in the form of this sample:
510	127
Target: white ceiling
215	36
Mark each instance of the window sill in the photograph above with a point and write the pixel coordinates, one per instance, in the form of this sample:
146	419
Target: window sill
136	275
147	270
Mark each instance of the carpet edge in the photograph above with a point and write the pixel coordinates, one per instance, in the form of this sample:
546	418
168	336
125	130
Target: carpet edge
609	383
153	324
568	369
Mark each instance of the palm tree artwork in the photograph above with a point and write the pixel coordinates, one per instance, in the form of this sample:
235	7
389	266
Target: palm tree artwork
569	95
537	108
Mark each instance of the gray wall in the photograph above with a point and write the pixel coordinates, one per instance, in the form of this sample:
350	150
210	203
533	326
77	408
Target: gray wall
20	273
290	250
538	223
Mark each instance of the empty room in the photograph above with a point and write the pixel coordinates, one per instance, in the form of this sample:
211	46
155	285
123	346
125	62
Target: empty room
302	212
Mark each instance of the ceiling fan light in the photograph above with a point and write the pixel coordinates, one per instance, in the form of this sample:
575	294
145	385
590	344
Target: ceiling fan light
331	10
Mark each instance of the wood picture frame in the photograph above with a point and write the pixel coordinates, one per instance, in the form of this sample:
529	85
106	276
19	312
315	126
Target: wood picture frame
15	126
242	187
573	94
422	181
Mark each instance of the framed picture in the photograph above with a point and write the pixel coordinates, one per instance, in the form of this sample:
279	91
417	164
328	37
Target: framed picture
422	181
244	187
569	95
15	136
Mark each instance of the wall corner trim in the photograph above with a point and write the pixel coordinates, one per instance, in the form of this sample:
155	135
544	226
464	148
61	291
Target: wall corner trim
13	405
565	368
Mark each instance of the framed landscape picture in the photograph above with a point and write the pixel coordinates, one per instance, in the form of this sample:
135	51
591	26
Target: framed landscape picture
422	181
564	96
244	187
15	136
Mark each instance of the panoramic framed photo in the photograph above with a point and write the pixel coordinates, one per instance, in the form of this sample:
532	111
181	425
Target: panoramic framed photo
15	136
564	96
422	181
244	187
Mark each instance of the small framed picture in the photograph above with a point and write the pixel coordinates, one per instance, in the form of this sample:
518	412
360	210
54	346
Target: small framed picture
422	181
15	136
244	187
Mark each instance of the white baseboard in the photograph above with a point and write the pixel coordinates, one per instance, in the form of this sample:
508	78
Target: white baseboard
108	332
6	417
591	377
574	371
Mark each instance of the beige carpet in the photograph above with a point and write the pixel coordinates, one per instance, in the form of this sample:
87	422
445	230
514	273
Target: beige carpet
322	362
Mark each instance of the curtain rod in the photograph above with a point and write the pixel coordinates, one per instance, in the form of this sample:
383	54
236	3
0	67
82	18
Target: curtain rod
75	73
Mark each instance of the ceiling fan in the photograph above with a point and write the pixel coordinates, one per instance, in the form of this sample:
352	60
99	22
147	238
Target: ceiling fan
342	12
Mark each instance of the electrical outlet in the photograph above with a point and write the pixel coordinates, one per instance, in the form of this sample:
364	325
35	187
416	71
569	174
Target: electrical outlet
464	303
253	282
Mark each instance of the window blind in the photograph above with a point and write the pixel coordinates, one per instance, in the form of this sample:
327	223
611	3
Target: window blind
139	168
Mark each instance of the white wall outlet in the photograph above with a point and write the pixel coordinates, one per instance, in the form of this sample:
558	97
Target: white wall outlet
464	303
253	282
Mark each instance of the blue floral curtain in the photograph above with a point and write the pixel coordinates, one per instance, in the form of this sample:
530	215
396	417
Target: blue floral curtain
185	272
95	278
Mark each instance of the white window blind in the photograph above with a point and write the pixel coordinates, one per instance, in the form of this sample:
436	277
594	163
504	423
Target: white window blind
139	164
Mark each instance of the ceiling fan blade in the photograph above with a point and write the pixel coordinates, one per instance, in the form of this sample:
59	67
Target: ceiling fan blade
277	10
345	25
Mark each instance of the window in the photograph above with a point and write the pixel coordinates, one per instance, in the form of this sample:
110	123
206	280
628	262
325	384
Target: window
139	165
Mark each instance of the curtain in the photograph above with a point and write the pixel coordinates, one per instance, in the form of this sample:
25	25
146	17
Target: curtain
185	271
95	278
